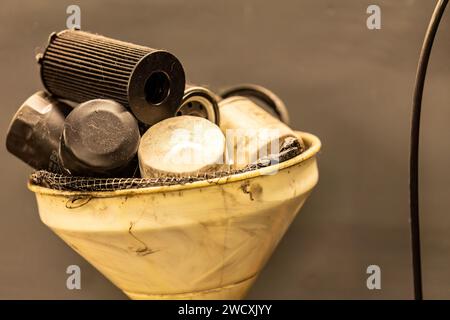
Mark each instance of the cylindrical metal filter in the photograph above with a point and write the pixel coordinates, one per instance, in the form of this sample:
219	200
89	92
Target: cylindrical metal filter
199	102
81	66
264	95
35	131
181	146
100	138
251	132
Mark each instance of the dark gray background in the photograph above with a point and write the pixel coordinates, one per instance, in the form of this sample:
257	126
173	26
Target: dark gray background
350	86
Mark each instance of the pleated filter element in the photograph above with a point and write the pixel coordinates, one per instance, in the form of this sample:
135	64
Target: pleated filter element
81	66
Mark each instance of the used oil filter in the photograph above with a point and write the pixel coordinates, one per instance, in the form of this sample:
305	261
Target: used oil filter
181	146
199	102
262	94
251	132
35	130
81	66
100	138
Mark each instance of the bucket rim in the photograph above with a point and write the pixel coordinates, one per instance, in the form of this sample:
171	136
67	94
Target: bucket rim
311	141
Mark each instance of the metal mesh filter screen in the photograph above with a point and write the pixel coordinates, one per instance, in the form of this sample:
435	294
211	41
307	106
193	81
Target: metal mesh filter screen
57	181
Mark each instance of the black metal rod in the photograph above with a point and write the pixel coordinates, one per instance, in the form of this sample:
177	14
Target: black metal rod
414	151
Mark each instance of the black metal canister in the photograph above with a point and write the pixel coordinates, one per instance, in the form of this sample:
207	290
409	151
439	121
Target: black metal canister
35	130
97	138
100	138
200	102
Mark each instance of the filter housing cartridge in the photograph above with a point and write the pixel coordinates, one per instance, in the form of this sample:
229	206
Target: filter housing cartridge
81	66
100	138
35	130
200	102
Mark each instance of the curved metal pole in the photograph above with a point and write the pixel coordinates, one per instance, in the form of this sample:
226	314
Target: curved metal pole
414	151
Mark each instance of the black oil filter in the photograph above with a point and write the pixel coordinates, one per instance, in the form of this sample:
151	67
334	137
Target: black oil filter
201	102
100	138
35	130
81	66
